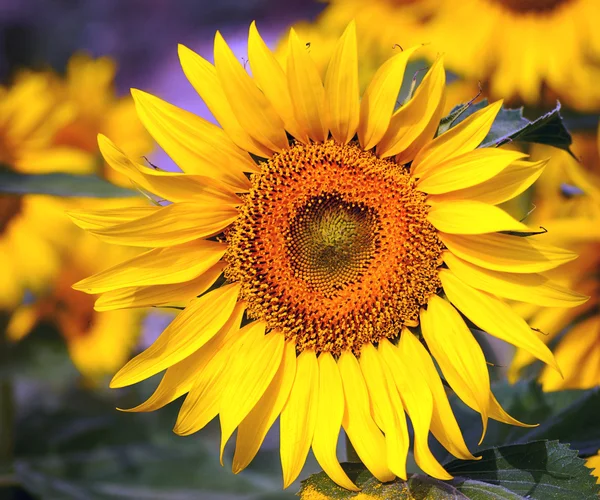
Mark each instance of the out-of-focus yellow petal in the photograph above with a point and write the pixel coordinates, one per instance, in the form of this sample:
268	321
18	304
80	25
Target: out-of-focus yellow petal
250	374
341	88
459	355
22	321
179	378
393	424
494	317
161	266
253	429
159	295
532	288
329	421
203	77
379	100
299	417
464	137
471	217
272	80
252	109
508	184
466	170
578	354
306	90
406	131
418	402
188	332
444	426
502	252
170	225
362	431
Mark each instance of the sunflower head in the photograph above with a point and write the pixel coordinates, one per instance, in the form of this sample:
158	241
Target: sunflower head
325	247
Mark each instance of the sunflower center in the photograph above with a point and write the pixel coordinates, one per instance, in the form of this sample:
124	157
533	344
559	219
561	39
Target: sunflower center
10	206
331	242
333	247
525	6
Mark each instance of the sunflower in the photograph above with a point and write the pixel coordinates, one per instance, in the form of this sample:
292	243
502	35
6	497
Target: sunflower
324	247
568	200
528	50
94	347
86	100
593	463
31	226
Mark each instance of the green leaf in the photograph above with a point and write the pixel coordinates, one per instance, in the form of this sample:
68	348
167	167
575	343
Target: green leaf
544	470
510	125
66	185
569	416
540	470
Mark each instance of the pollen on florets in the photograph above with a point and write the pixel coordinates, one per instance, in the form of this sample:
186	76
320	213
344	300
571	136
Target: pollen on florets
333	247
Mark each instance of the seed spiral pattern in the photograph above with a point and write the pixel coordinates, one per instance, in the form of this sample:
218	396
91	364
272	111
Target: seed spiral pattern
333	247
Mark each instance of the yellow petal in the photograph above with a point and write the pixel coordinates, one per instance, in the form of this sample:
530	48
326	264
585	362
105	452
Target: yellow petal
253	429
306	90
170	225
406	133
508	184
459	355
471	217
464	137
99	219
202	403
379	100
159	295
502	252
393	424
341	88
329	421
188	332
194	144
203	77
22	321
272	80
578	354
299	416
418	402
160	266
444	426
362	431
532	288
179	378
252	109
250	374
494	317
466	170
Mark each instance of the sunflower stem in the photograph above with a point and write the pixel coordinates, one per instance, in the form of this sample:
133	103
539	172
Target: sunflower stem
351	455
7	407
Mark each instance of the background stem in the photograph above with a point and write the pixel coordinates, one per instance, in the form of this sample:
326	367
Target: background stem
7	407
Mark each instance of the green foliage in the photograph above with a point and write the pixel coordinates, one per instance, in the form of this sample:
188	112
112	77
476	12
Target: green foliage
510	125
542	470
64	185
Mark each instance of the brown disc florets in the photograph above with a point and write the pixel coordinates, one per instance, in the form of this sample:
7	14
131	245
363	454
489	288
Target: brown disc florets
333	247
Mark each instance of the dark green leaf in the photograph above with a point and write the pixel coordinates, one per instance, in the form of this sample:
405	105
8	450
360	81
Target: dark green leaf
543	470
540	470
570	416
65	185
510	125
